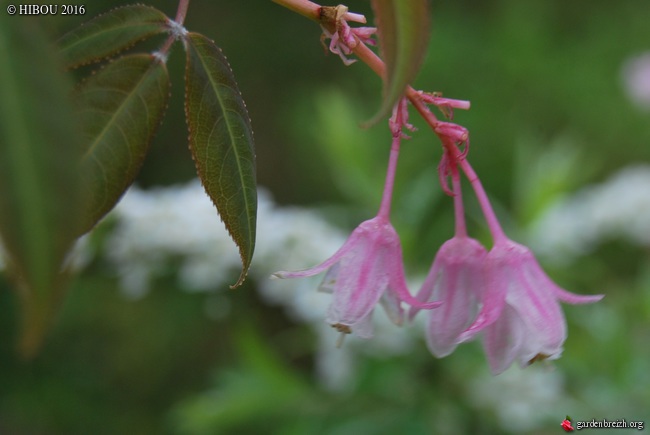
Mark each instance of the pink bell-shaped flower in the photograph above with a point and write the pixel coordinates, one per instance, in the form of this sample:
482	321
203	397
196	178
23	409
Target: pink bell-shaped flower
456	278
366	270
521	316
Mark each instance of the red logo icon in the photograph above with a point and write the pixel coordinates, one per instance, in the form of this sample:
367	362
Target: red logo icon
566	425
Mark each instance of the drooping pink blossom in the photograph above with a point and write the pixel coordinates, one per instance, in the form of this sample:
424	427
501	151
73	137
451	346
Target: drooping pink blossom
456	277
520	313
368	268
365	271
521	316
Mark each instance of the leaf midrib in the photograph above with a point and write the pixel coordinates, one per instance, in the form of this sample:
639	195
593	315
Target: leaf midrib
102	34
233	147
120	110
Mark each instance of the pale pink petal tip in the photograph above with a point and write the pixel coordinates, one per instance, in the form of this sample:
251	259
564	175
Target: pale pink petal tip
354	17
572	298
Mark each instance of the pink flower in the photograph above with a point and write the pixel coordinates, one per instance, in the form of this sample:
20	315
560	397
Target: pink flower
456	278
521	317
366	270
343	38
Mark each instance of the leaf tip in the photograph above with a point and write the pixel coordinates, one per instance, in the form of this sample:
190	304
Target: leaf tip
242	277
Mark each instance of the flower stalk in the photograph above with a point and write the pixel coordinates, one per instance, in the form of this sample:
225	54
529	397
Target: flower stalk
305	8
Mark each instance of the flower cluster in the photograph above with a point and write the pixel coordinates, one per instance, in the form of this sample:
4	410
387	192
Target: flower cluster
501	293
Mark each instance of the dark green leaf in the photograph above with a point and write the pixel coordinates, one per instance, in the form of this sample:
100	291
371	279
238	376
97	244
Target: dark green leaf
110	33
221	141
120	109
40	150
403	28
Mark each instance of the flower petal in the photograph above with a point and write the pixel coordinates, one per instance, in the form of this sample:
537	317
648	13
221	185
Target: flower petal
361	281
572	298
393	307
399	288
497	274
343	250
560	293
394	267
455	289
364	328
426	290
329	280
503	340
539	309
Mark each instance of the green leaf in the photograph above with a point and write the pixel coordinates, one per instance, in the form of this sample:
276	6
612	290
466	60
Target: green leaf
110	33
403	28
120	110
221	141
40	187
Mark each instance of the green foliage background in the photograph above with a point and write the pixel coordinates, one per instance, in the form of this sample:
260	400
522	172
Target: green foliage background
543	77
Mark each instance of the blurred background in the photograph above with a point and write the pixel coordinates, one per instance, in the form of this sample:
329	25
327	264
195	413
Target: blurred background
151	341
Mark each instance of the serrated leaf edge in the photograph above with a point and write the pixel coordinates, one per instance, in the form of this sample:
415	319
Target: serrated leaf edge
164	28
245	261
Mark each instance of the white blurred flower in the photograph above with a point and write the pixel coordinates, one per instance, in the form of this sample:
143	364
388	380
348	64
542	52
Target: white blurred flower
179	224
617	208
522	400
170	224
636	79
